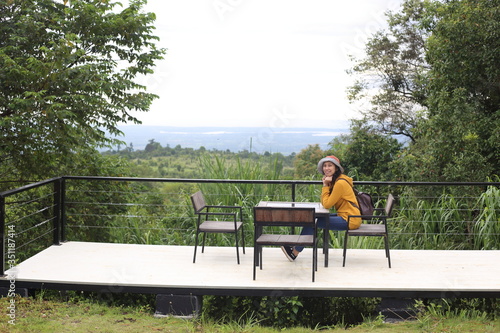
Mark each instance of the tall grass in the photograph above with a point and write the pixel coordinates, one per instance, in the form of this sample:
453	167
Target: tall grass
487	225
448	222
245	195
162	213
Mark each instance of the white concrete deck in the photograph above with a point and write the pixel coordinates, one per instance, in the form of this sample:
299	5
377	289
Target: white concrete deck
165	269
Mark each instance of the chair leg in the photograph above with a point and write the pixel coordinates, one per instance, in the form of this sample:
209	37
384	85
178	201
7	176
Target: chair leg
237	250
314	262
315	252
237	255
255	261
260	257
243	239
313	271
203	245
315	258
195	246
388	255
325	242
345	247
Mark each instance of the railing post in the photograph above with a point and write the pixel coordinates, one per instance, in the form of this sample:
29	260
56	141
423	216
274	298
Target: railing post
63	209
57	212
2	234
293	192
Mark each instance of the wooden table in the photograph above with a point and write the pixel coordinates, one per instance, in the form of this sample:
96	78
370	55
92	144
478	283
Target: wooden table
319	211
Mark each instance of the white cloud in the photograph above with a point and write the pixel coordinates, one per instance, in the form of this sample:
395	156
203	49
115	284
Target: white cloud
270	63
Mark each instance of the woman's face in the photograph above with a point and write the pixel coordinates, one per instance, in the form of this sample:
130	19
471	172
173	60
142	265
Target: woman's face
329	168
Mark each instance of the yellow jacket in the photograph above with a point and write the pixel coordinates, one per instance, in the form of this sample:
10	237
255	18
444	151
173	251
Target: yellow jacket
341	197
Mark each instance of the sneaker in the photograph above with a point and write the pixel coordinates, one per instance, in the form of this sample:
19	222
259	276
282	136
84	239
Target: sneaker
288	251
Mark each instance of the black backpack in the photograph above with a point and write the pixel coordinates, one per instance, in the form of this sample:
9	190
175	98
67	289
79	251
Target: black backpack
365	202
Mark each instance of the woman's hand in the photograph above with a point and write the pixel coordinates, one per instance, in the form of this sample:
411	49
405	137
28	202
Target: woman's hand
327	180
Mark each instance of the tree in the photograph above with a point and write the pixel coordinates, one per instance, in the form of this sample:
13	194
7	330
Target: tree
67	71
464	94
369	154
152	145
458	140
306	161
390	76
437	79
338	146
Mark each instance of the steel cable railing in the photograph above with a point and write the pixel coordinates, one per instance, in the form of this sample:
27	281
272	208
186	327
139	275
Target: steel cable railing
112	209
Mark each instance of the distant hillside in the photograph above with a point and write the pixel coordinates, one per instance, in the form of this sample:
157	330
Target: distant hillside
235	139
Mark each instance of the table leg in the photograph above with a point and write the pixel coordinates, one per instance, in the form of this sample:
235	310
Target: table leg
326	240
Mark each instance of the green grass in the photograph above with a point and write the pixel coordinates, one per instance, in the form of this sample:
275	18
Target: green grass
38	315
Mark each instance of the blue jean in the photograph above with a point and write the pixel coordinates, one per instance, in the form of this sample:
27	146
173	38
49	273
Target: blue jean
336	223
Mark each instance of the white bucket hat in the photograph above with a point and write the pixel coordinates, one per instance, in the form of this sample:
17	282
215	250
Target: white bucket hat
332	159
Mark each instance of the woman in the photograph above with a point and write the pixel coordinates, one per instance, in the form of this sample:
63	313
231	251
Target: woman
337	192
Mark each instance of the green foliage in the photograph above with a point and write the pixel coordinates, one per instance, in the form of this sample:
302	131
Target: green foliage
306	161
473	308
246	195
32	212
26	210
473	27
67	72
369	154
390	77
433	225
464	98
91	208
433	76
152	145
449	147
447	222
282	312
161	213
130	212
338	146
487	224
72	313
167	162
364	152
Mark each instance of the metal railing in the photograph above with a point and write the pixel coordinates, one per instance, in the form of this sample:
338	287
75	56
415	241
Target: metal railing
158	210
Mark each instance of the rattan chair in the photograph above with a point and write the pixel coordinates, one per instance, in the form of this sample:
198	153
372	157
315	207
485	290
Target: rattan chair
376	226
231	222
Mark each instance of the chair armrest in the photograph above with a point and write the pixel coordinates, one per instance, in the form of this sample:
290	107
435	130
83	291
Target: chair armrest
362	216
214	206
368	217
218	213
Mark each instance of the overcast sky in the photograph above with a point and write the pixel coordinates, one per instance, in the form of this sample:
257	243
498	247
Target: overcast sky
266	63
